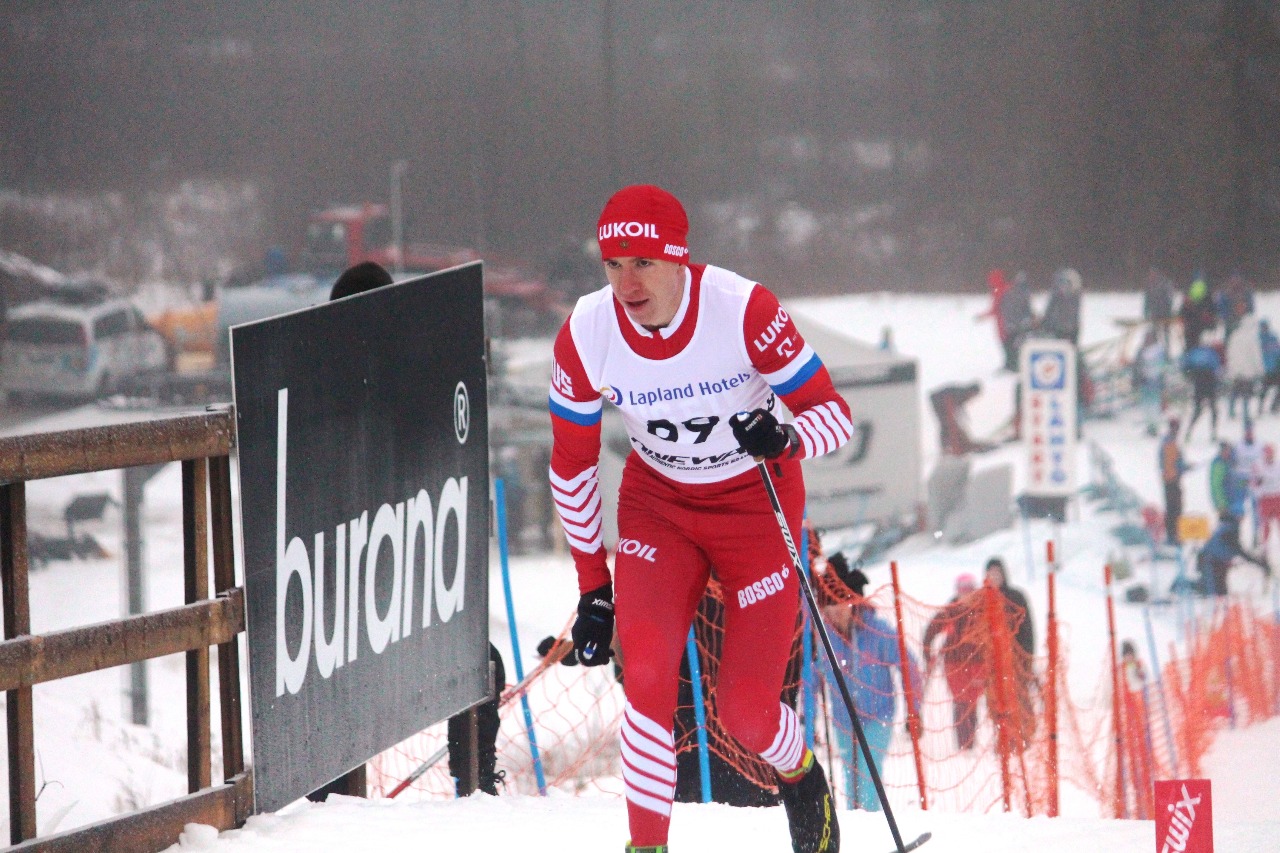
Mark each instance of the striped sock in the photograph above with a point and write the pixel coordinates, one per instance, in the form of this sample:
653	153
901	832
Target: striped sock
786	753
649	773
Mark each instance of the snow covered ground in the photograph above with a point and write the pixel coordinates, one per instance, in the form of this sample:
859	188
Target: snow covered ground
95	764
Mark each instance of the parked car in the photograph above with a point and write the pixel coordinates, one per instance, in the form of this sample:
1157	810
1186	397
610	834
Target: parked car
77	348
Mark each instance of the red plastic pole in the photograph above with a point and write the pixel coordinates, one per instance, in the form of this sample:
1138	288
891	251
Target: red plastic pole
1051	685
1116	720
1000	672
1273	631
913	718
1184	704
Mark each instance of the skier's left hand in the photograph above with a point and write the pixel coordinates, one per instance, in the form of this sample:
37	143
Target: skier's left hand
761	436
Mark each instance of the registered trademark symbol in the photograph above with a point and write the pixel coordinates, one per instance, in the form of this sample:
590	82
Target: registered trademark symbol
461	413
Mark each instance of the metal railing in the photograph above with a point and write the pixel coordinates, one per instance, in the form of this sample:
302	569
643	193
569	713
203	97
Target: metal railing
202	443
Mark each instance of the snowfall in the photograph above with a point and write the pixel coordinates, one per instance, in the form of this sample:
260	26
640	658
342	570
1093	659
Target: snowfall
92	763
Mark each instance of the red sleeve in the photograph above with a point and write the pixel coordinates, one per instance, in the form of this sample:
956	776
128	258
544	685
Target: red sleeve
575	454
796	374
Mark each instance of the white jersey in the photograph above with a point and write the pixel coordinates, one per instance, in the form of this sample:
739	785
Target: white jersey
731	347
676	410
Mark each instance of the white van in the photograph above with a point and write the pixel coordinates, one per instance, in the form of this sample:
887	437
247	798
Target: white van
69	349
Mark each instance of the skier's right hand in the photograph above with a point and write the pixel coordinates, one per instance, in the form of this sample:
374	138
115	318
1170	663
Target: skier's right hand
593	629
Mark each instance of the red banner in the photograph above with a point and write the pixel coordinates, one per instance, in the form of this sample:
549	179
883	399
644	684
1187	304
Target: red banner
1184	816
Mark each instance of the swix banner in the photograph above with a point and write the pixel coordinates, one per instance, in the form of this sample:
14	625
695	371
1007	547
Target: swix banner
1184	816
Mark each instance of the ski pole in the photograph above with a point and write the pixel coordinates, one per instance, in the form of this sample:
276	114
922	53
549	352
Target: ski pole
516	691
422	768
831	653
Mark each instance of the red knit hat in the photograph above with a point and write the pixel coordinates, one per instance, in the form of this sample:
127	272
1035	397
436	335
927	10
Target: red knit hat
644	221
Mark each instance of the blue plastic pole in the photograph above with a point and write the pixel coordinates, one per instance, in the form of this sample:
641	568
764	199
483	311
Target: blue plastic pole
500	502
1159	679
806	648
699	714
1184	599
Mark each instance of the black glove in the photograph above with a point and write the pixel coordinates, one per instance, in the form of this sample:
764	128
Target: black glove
760	435
593	629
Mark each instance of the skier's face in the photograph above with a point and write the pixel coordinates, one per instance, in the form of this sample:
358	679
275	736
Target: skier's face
649	289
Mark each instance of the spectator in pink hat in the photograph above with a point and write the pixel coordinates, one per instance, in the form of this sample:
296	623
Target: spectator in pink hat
959	624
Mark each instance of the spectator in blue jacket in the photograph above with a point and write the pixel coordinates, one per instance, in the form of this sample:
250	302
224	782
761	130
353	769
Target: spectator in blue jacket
1219	553
868	649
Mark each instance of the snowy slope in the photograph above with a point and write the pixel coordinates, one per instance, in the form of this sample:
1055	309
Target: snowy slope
94	762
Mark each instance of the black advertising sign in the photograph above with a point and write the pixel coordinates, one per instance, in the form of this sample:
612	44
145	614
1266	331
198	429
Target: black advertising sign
362	438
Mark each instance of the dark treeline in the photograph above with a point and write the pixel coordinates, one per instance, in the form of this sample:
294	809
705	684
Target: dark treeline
819	145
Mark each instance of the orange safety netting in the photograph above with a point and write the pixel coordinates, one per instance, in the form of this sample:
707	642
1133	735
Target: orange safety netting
1229	675
575	711
984	737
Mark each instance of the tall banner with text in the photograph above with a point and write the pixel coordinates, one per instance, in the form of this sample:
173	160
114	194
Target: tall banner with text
362	443
1048	382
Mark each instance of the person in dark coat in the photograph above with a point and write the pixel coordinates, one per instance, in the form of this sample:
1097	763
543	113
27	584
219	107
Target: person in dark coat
487	724
1062	315
1198	313
1017	318
1018	615
1203	368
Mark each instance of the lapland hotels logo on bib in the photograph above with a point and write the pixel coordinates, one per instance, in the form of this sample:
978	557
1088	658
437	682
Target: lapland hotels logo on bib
689	390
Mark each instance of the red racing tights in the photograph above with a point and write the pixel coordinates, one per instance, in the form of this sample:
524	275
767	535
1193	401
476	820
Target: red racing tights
671	537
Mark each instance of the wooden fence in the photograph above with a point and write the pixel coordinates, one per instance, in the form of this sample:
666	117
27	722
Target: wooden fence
202	443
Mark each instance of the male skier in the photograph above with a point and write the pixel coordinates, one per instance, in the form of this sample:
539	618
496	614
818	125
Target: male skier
680	348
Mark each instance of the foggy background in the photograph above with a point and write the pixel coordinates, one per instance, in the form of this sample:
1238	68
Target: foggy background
819	146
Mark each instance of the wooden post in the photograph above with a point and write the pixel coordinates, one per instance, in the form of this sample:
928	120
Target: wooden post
195	551
1116	719
224	579
908	692
17	621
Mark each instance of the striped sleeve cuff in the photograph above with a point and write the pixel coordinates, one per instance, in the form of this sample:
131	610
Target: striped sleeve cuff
822	429
577	503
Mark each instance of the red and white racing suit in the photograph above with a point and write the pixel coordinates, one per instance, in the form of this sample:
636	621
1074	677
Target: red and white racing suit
691	503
